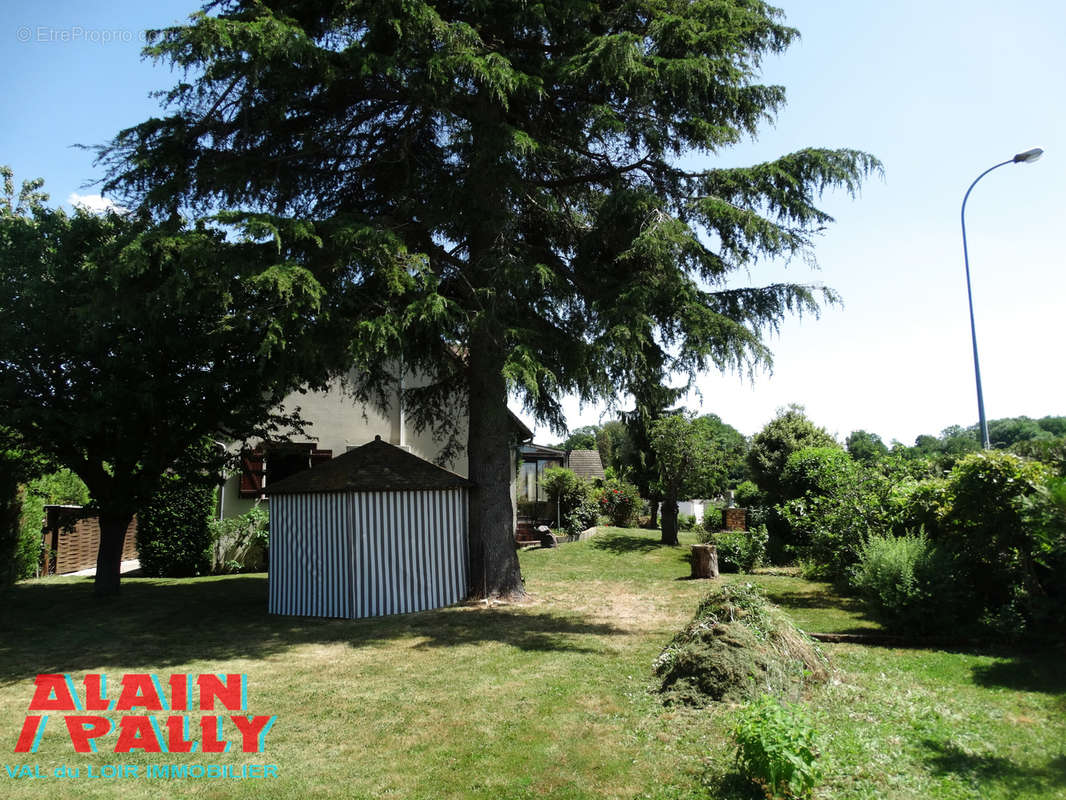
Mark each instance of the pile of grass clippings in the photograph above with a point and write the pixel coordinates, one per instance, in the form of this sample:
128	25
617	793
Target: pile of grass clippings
738	646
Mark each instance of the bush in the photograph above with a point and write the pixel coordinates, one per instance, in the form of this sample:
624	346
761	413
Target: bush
241	544
776	747
984	524
839	504
579	510
11	540
1045	517
583	516
620	501
995	555
712	518
173	532
687	522
747	494
789	432
741	551
819	471
919	504
907	584
56	488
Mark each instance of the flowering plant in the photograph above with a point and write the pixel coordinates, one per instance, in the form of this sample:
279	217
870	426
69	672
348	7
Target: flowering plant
620	501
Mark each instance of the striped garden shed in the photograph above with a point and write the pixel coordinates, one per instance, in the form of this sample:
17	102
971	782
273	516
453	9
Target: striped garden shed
375	531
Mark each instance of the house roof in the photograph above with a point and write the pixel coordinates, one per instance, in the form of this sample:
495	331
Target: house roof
539	451
524	433
586	463
374	467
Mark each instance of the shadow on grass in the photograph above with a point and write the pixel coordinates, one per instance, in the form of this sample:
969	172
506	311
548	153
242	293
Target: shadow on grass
816	600
1026	672
946	758
733	786
60	627
620	544
842	613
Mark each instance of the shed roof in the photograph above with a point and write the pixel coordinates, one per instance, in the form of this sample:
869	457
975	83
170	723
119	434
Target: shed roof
586	463
374	467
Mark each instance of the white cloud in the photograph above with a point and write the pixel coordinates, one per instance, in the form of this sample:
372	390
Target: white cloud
94	203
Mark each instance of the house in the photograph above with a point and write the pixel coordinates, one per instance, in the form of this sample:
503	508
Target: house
532	501
533	504
337	423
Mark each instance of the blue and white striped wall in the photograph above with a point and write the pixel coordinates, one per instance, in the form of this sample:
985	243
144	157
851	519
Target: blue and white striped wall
367	554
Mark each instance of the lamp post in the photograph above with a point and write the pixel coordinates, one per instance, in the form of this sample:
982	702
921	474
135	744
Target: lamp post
1026	157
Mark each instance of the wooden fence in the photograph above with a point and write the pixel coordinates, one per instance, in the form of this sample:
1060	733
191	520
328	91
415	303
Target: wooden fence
72	540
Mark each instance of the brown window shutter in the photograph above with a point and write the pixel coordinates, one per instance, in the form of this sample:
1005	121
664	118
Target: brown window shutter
253	469
320	456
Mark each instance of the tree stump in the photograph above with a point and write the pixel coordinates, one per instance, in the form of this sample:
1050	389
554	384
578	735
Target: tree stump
704	561
547	538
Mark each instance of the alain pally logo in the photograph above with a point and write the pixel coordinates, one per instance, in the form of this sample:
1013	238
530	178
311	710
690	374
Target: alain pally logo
186	719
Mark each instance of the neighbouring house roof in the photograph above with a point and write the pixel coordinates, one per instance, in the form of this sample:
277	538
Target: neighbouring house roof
374	467
539	451
586	463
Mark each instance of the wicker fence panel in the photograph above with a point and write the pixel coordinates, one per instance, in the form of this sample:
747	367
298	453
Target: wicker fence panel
72	539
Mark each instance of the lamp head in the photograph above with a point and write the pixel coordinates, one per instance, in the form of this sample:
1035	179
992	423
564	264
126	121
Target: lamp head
1029	156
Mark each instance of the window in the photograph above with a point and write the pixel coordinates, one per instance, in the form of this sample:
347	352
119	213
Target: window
270	463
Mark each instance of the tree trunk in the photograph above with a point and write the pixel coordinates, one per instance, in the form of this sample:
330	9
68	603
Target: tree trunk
653	504
669	518
113	527
494	570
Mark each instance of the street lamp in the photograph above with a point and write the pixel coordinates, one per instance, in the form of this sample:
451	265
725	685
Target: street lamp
1026	157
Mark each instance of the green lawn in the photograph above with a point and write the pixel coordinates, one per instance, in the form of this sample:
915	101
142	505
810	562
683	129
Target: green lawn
548	698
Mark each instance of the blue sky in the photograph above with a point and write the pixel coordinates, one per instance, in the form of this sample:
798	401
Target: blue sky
939	91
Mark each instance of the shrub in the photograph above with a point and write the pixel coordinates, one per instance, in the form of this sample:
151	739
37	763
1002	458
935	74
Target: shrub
919	504
620	501
1045	517
741	551
16	467
776	747
842	503
907	584
712	518
984	526
11	540
747	495
571	492
241	543
563	486
173	533
583	516
1049	451
789	432
687	522
819	471
56	488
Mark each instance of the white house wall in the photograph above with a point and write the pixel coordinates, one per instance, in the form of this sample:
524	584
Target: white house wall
692	508
367	554
338	422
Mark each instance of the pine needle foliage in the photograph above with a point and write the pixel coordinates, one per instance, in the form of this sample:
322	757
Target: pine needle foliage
498	191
